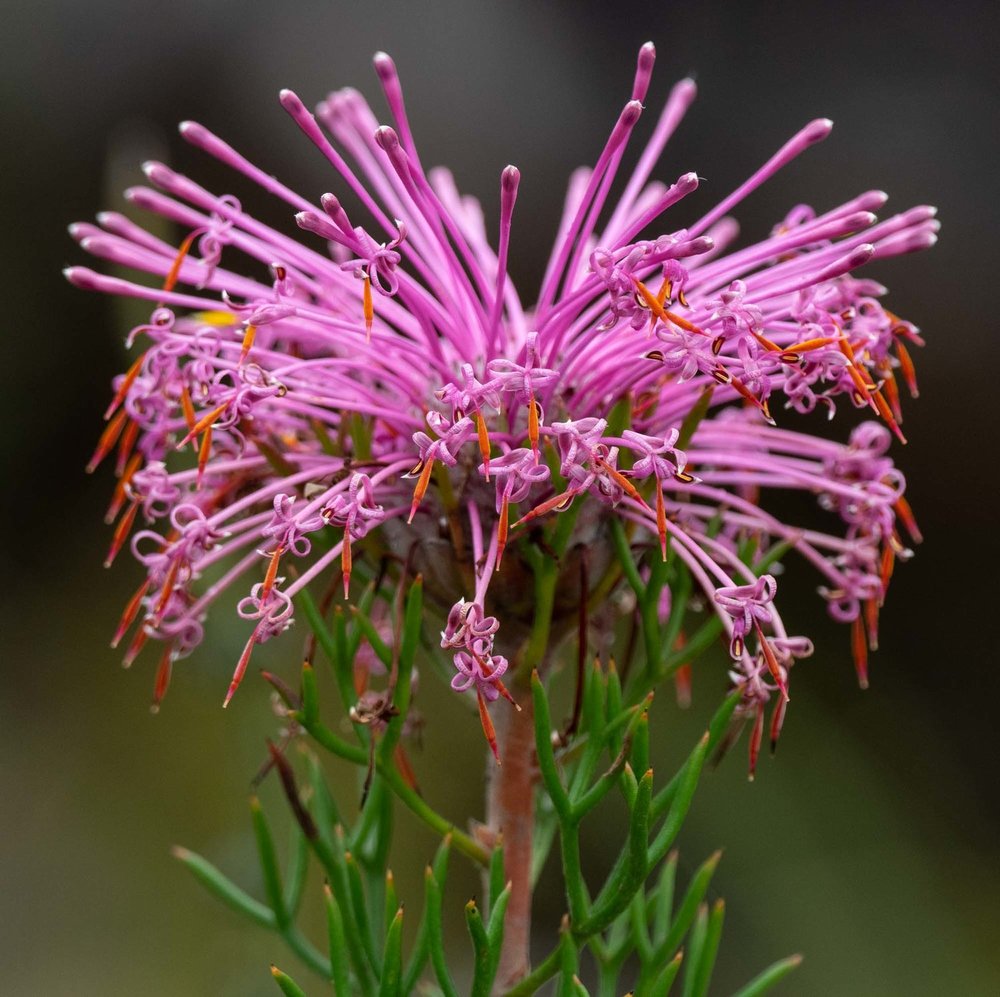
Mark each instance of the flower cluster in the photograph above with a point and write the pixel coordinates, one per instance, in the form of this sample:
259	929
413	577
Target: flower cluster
263	413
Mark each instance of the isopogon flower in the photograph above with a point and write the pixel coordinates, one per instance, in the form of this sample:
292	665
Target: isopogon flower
263	413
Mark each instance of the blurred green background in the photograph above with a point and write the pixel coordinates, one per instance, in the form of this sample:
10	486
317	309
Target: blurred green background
869	843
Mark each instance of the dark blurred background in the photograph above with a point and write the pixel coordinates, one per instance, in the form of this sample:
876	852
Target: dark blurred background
870	842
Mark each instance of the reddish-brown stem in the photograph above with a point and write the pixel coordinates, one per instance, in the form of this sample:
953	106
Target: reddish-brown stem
510	809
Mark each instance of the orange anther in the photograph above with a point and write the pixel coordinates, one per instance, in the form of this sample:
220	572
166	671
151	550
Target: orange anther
108	438
187	407
168	588
661	521
204	452
272	572
121	532
138	643
162	682
127	381
119	495
907	368
173	273
484	442
662	313
368	306
346	562
905	513
241	667
248	339
555	504
130	612
502	529
203	423
859	649
533	429
422	482
871	622
125	446
488	729
772	662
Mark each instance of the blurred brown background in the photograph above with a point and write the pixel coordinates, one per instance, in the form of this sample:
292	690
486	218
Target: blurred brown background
869	843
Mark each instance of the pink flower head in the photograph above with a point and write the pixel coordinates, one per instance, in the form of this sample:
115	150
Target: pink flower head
273	400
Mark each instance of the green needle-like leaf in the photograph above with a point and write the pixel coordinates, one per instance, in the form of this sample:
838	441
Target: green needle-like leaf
569	965
709	950
224	889
664	900
484	966
392	967
268	863
623	882
773	974
392	906
339	970
546	757
436	935
288	986
681	803
696	943
662	984
667	944
359	908
310	695
298	869
494	929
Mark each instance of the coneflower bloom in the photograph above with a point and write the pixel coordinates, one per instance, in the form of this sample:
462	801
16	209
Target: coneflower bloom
374	385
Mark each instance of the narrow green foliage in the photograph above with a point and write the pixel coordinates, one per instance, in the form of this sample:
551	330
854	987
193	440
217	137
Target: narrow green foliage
391	901
224	889
709	950
286	984
620	887
484	966
696	943
669	938
310	695
359	909
434	904
296	873
268	863
773	974
662	984
392	960
628	925
546	757
664	899
681	803
339	964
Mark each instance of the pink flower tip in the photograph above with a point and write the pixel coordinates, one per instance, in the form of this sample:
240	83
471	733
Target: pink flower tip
292	103
510	178
817	130
81	277
386	138
384	65
631	112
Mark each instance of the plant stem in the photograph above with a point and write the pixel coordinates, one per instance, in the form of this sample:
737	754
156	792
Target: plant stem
510	808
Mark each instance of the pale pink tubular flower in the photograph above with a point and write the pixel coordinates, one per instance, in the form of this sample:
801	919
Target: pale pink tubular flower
262	413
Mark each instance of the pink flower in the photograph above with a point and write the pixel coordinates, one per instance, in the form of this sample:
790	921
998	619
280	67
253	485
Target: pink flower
274	399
